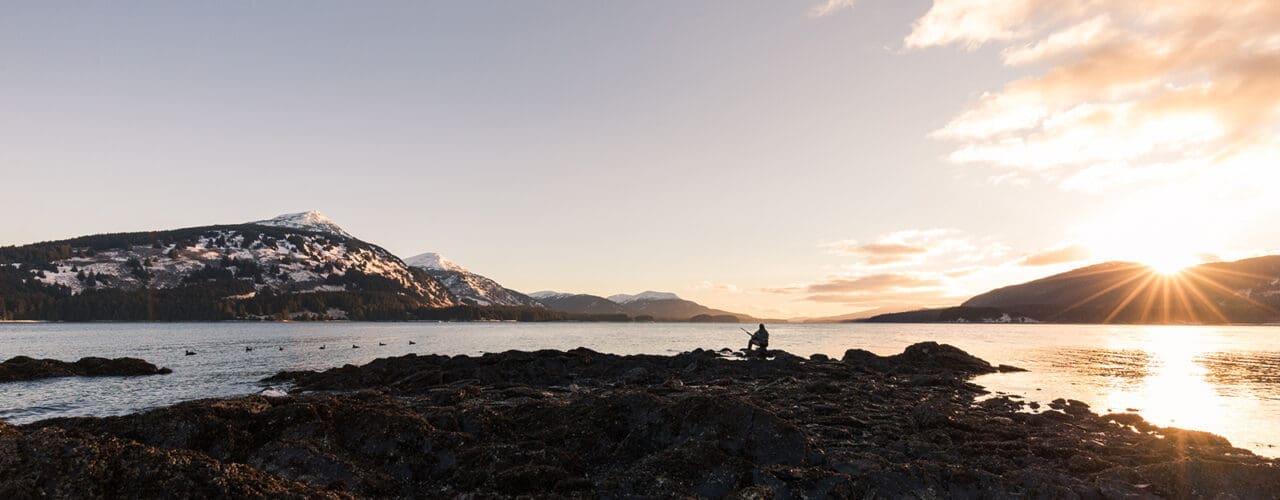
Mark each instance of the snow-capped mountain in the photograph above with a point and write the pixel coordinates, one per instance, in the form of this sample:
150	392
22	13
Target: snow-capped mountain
310	220
298	255
469	287
623	298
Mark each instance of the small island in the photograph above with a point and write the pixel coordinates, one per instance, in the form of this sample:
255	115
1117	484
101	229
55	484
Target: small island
23	368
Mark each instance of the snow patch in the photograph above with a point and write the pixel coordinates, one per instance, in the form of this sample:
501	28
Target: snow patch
434	262
310	220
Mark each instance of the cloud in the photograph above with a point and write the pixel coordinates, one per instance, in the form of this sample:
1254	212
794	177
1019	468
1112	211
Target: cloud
1061	255
917	246
718	287
864	284
872	283
902	269
1131	91
894	301
878	253
829	7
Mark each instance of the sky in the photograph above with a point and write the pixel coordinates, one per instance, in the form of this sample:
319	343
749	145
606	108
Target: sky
777	158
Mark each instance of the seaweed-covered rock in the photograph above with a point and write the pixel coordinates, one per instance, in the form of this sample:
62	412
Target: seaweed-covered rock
586	424
52	462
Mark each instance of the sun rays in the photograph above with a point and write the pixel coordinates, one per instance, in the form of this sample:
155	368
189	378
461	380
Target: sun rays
1191	295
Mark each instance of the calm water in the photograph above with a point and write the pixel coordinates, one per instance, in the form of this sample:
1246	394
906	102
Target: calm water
1220	379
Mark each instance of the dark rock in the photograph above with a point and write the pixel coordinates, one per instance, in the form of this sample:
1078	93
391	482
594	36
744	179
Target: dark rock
52	462
924	357
22	368
585	424
935	356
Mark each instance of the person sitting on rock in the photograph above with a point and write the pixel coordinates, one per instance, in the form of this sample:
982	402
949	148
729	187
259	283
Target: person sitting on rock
760	338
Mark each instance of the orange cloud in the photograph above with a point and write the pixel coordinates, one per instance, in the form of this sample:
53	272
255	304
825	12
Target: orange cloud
880	253
915	246
872	283
1070	253
1134	90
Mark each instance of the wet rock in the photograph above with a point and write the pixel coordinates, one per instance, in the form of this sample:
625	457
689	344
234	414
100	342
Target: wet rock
22	368
924	357
50	462
935	356
581	423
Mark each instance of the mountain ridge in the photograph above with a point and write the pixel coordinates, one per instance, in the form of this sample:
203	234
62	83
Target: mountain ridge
1243	291
295	266
468	287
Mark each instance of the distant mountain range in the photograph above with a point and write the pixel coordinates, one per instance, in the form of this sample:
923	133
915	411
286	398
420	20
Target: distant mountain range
650	305
304	266
295	266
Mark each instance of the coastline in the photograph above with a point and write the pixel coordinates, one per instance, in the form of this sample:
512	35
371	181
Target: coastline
581	423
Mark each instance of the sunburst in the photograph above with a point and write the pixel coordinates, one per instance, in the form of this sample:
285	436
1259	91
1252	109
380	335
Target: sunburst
1184	295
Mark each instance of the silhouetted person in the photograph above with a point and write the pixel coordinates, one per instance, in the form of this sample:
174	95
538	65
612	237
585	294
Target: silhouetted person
760	338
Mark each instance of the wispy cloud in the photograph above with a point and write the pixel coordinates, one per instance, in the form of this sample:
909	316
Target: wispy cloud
1133	91
901	269
916	246
873	283
1060	255
829	7
878	253
718	287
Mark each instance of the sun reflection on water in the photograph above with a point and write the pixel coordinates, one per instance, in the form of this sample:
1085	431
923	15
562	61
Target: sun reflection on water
1176	390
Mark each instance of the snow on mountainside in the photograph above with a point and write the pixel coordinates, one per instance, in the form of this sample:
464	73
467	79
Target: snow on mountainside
433	262
642	296
293	263
469	287
548	294
310	221
256	262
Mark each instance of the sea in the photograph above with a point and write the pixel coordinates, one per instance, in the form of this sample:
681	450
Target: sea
1220	379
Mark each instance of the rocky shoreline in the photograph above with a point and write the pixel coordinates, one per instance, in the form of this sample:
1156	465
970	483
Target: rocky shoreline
22	368
586	424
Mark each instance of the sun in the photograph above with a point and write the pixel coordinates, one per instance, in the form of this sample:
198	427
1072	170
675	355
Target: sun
1168	264
1158	243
